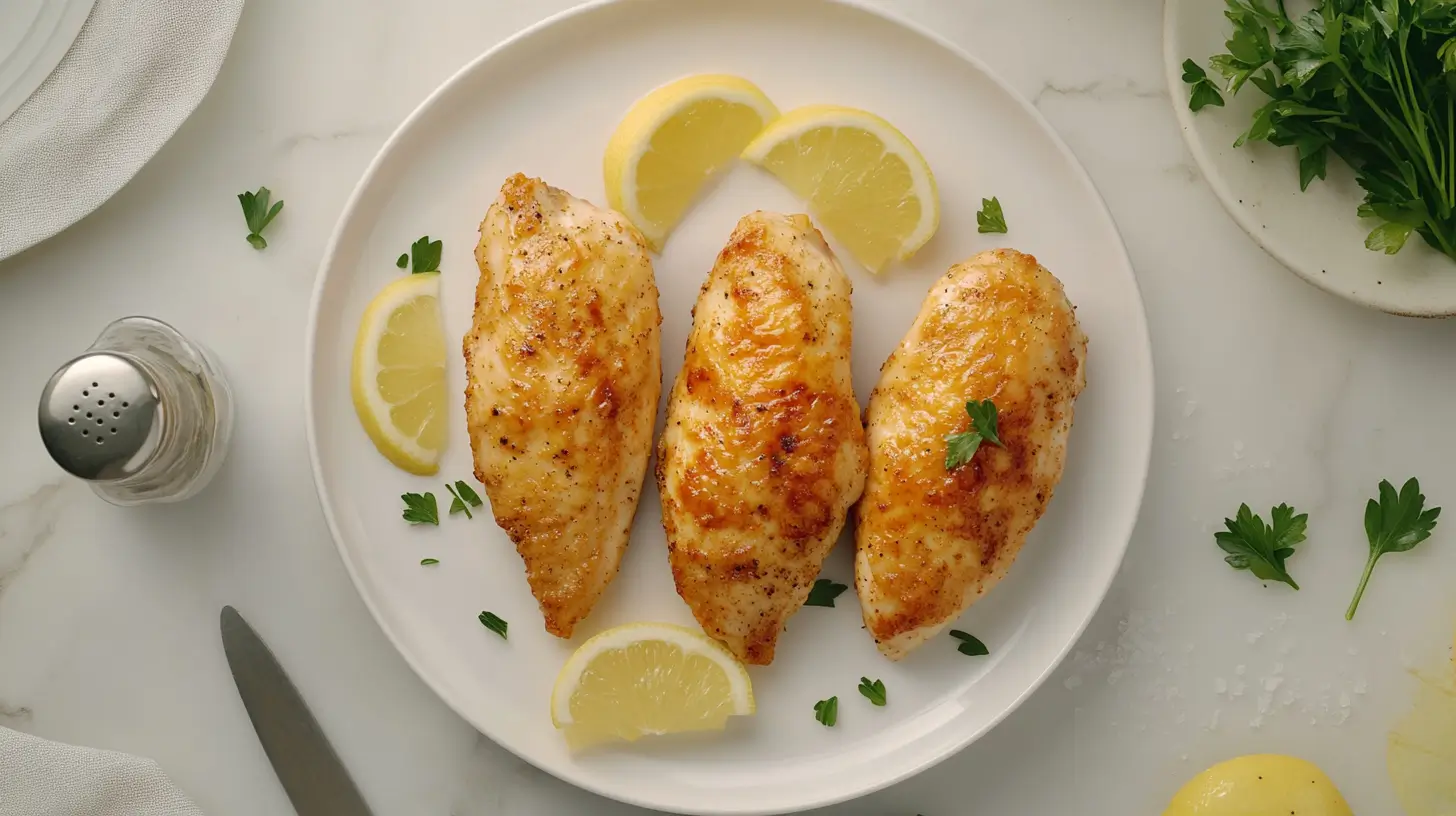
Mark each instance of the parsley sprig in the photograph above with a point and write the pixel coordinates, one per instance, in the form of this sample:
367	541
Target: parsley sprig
1261	548
1204	92
960	447
1396	522
1372	82
258	215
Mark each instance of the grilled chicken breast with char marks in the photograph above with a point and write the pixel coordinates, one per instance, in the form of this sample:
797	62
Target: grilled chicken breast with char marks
763	451
564	372
929	542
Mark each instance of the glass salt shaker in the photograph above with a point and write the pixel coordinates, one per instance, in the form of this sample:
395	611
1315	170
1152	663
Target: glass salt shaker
144	415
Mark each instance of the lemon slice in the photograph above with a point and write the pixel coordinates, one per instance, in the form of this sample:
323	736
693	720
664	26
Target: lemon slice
863	180
398	376
647	679
673	141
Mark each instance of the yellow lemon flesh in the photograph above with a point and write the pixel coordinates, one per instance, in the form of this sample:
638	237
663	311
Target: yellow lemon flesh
647	679
1259	785
1420	753
862	179
673	141
398	374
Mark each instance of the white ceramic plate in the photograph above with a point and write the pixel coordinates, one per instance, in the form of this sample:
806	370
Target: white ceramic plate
545	103
1315	233
34	35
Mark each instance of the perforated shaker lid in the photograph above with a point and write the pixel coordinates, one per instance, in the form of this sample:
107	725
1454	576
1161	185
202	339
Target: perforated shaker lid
101	417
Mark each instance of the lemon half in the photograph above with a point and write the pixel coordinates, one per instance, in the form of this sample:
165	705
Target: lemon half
673	141
398	375
862	179
648	679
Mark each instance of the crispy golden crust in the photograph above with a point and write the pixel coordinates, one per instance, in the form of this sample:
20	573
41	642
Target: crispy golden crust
763	451
929	542
564	372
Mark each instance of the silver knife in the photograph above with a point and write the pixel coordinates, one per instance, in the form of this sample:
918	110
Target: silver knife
312	775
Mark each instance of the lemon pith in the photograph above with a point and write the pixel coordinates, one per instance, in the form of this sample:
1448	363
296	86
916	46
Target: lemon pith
397	378
647	679
673	141
861	177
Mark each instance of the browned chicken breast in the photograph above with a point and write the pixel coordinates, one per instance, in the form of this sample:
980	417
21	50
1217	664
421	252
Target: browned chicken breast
763	451
930	541
564	370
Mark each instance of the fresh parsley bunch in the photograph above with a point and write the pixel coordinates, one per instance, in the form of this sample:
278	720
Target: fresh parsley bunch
1374	82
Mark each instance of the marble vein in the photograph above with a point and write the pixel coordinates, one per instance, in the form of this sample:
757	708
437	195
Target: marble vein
1100	89
26	526
13	715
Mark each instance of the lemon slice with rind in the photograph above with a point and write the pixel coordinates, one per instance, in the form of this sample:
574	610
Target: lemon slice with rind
673	141
862	179
398	375
646	679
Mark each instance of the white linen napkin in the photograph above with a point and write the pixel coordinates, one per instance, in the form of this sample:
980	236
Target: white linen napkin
133	75
43	778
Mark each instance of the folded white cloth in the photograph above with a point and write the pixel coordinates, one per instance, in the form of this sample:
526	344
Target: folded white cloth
43	778
133	75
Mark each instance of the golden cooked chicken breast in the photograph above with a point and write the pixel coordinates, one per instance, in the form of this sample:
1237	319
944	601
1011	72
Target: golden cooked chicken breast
763	452
930	541
564	370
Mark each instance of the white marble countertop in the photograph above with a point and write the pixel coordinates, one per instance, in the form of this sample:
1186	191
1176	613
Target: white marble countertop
1268	391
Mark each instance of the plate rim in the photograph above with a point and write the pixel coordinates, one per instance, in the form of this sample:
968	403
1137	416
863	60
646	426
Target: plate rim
1367	296
1144	361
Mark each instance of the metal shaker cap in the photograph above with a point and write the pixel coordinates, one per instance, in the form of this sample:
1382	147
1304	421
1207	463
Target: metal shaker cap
101	417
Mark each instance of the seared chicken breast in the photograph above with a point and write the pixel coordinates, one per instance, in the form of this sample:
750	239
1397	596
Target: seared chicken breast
564	371
763	451
929	541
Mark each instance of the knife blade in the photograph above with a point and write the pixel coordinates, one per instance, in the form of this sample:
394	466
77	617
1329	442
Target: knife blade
313	777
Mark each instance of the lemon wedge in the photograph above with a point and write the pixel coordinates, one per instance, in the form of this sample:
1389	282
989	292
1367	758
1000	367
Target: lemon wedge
673	141
647	679
398	375
862	179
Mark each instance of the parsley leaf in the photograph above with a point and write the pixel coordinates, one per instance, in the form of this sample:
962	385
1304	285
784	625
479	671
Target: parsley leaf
824	592
990	218
1204	93
873	690
421	509
959	448
1395	523
468	494
494	624
970	644
827	712
425	255
429	562
402	261
258	215
463	498
1261	548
